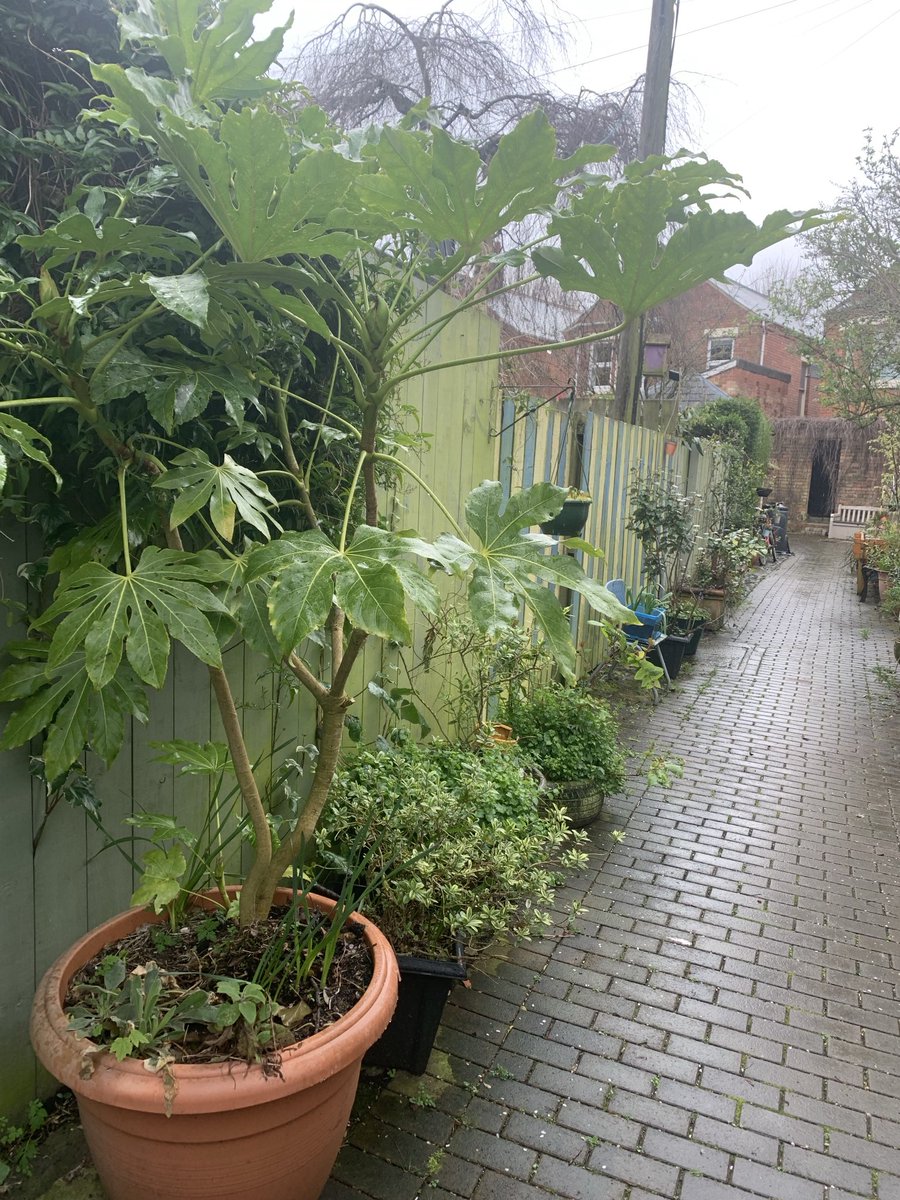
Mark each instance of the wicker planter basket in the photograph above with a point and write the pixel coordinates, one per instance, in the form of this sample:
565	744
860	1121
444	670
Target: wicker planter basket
581	798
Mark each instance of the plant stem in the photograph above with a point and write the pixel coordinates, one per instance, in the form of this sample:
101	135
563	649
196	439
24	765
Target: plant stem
312	404
253	904
70	400
349	503
422	484
326	765
250	902
494	356
123	514
290	457
313	685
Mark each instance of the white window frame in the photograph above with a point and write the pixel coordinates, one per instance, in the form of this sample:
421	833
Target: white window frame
716	360
602	366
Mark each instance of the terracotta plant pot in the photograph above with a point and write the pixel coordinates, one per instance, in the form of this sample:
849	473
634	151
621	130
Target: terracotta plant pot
234	1133
712	602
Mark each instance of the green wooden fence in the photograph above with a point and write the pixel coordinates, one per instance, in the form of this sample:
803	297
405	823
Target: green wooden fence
56	881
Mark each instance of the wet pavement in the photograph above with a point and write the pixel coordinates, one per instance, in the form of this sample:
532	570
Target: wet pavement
723	1020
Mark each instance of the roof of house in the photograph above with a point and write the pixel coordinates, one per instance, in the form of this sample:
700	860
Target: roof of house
543	317
748	298
696	389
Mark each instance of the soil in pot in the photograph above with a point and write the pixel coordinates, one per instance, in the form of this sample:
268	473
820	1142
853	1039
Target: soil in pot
425	985
237	1130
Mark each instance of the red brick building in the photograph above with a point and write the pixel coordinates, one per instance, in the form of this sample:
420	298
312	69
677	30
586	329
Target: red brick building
724	338
731	334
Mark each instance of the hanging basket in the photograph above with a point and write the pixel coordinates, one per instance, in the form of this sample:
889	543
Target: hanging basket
570	521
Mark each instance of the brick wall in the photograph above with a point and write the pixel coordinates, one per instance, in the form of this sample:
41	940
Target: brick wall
793	451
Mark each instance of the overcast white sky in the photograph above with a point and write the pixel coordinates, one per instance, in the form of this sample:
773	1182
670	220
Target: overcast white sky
785	87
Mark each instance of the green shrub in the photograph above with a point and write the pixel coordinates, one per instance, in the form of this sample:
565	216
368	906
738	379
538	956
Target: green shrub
569	735
464	846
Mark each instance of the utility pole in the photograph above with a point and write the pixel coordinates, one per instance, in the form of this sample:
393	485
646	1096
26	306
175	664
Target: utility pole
652	140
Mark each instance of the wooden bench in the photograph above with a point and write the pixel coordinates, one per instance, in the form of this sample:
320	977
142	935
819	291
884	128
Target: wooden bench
848	518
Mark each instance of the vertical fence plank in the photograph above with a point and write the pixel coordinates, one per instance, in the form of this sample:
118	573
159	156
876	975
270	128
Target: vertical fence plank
17	893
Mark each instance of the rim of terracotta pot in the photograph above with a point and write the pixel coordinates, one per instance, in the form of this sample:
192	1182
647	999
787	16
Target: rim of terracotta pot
199	1086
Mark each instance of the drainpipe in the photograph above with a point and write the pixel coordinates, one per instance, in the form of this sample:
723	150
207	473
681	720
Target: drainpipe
804	388
762	346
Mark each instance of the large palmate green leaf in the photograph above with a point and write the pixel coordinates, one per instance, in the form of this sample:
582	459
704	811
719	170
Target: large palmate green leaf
616	241
106	614
62	702
229	489
241	167
176	389
372	579
218	55
513	565
437	184
77	234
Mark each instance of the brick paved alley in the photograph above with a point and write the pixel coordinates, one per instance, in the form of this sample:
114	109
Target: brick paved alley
725	1019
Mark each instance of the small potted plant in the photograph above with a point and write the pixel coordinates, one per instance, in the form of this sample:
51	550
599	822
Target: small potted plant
572	738
572	517
459	850
686	619
649	612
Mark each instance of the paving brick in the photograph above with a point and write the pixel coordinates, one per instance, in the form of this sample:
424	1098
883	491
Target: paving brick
503	1154
635	1169
661	1064
493	1186
457	1175
889	1187
697	1188
650	1111
689	1153
576	1183
374	1177
698	1099
736	1139
754	1177
740	1087
593	1122
829	1115
827	1168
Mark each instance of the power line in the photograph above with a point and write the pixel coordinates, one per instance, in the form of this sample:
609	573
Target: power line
589	62
865	35
843	50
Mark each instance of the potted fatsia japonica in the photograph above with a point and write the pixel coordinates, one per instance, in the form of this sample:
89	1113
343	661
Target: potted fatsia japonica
206	360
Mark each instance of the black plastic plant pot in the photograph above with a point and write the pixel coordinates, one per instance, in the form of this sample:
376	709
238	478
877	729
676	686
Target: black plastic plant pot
693	641
570	521
425	984
671	652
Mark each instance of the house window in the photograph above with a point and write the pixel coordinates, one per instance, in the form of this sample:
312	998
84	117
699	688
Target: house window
601	366
719	350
